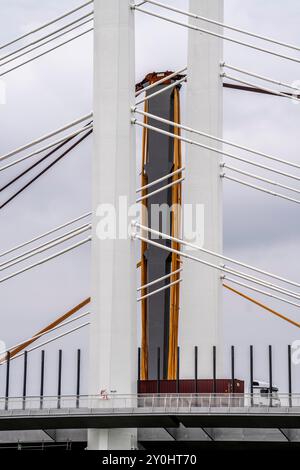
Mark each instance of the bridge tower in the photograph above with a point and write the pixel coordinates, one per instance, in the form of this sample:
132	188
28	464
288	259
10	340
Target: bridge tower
200	315
113	340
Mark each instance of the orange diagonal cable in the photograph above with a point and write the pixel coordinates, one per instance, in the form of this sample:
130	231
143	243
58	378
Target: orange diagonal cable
265	307
175	263
56	322
143	261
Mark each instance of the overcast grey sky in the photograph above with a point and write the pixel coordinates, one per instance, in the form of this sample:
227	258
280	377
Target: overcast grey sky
57	88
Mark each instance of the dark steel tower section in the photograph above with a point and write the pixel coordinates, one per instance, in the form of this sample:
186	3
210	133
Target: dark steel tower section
160	154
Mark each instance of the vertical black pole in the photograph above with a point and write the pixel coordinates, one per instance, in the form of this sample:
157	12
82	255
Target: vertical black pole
214	369
139	371
270	374
7	379
290	373
158	370
196	369
59	378
178	370
232	370
251	370
25	379
78	377
270	370
42	377
251	374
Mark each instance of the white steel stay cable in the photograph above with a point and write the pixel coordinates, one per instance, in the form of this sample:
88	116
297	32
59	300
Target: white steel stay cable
194	258
273	296
267	284
174	173
45	260
260	178
45	25
163	90
39	335
141	3
263	88
11	59
45	246
157	291
46	136
261	77
217	35
217	139
160	82
46	52
45	234
213	149
240	274
50	340
145	286
213	253
224	25
39	40
157	191
46	147
259	188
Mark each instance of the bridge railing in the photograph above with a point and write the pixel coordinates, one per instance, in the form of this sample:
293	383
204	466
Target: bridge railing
154	403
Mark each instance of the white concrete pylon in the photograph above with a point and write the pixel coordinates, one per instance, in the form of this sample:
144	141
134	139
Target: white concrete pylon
113	340
200	318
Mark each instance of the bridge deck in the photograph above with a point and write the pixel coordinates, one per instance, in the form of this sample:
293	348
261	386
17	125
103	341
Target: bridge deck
155	411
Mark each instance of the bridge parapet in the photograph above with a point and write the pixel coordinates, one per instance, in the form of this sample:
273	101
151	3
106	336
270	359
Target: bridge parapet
152	403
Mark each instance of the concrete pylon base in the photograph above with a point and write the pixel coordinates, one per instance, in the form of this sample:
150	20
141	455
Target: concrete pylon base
112	439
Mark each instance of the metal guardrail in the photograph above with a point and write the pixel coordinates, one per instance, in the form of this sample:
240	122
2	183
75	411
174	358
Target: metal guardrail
155	403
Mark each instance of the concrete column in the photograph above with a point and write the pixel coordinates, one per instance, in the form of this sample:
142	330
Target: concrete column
113	339
201	318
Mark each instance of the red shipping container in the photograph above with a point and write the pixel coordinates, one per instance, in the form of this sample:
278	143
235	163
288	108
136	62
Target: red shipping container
203	386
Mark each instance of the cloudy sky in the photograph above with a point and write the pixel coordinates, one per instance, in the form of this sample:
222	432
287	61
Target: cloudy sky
57	88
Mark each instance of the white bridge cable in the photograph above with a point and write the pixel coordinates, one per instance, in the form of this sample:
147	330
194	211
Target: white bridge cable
47	147
206	263
260	87
260	178
247	286
159	180
50	340
157	191
39	335
259	188
141	3
217	255
46	137
46	52
223	25
45	246
45	260
157	291
37	41
45	234
219	268
217	35
245	276
160	82
212	137
261	77
262	283
45	25
145	286
159	92
213	149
